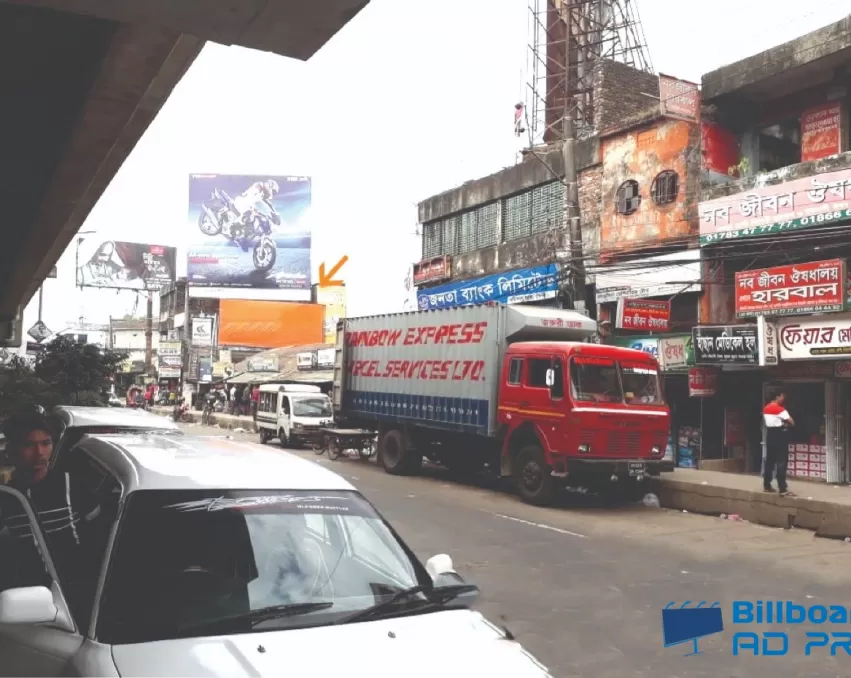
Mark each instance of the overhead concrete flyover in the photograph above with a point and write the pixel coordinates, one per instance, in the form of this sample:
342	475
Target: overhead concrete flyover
81	82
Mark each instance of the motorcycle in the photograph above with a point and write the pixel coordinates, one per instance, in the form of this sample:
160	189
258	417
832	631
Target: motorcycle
181	413
252	230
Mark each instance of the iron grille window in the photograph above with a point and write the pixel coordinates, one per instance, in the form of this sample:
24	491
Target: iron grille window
487	225
432	239
665	187
517	215
629	197
451	235
547	206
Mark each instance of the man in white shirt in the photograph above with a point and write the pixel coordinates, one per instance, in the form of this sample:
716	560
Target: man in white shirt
777	422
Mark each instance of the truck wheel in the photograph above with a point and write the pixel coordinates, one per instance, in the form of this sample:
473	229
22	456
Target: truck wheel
394	456
532	476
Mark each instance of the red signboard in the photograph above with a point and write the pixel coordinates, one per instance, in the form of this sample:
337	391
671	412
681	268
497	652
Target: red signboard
813	287
431	270
647	315
703	381
820	127
679	98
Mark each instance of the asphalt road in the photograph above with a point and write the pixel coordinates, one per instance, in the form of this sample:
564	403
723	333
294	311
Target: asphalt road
582	586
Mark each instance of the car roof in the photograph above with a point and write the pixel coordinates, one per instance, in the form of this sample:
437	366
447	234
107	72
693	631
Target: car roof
152	461
119	417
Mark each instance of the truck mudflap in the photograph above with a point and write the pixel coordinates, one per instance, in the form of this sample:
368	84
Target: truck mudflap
622	468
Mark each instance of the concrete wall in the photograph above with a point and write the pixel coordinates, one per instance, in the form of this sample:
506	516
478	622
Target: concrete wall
641	154
778	61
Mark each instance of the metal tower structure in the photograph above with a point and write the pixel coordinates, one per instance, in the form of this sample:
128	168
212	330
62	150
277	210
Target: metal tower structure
569	40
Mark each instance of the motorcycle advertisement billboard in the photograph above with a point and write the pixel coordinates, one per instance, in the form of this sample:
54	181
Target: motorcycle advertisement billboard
249	231
124	265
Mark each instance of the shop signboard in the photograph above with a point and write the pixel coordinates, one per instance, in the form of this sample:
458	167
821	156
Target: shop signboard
312	360
818	338
791	206
262	363
513	287
649	345
769	348
205	369
725	345
679	98
676	353
202	331
660	276
192	370
169	348
814	287
431	270
820	131
703	382
649	315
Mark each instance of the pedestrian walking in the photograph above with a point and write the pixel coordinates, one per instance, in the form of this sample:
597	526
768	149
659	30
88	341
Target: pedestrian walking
777	423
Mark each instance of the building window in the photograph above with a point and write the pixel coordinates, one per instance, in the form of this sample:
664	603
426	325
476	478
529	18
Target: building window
629	197
665	188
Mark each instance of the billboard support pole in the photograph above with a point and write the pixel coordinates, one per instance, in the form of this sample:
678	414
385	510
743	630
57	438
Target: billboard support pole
149	334
40	300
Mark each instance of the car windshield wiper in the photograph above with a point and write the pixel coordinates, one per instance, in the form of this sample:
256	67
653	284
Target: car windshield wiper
260	615
435	597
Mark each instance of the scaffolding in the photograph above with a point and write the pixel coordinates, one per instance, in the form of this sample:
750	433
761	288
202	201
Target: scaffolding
569	40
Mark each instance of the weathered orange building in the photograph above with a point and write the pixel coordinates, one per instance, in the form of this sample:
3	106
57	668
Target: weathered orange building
650	184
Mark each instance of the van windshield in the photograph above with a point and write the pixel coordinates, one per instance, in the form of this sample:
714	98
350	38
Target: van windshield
311	406
602	380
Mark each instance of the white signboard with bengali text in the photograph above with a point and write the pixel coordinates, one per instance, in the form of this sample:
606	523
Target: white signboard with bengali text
817	338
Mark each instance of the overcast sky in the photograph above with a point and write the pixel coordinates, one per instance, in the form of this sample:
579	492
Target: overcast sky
395	108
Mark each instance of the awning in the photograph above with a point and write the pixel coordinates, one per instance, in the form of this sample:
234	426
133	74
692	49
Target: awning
251	378
311	377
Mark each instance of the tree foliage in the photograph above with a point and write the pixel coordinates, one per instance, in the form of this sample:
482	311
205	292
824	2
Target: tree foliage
65	373
74	369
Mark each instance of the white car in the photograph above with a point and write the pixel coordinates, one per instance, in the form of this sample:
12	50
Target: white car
212	557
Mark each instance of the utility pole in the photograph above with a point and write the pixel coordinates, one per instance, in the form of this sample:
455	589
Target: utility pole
577	258
149	335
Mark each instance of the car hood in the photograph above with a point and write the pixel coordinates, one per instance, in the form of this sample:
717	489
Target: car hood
439	645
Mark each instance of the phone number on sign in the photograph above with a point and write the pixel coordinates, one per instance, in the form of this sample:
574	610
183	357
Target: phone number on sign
777	227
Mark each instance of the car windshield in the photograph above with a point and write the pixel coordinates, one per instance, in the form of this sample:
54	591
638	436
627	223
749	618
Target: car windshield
312	406
602	380
200	563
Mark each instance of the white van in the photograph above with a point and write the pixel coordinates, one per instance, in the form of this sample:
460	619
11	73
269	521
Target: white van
293	413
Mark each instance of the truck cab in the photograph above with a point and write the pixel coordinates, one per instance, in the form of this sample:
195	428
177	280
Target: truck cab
293	413
591	414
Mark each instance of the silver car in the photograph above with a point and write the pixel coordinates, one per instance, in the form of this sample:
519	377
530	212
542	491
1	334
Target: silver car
211	557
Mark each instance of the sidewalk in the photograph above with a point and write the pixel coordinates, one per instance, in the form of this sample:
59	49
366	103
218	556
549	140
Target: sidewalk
824	509
228	421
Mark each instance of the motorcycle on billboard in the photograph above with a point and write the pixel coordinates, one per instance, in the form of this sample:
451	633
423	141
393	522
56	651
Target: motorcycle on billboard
242	223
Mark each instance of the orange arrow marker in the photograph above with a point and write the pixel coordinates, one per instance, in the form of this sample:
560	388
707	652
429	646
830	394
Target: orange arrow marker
327	279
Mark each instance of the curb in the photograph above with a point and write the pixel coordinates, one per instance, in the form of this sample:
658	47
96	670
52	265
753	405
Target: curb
228	424
824	518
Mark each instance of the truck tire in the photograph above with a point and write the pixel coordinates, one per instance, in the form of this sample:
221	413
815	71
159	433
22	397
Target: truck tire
394	455
532	476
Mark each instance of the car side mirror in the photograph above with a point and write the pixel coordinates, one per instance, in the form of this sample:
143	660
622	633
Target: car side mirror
27	605
551	377
442	571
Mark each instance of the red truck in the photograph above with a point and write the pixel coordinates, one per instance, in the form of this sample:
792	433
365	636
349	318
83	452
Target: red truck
513	388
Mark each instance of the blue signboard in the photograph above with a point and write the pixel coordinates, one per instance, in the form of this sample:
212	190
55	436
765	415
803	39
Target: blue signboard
512	287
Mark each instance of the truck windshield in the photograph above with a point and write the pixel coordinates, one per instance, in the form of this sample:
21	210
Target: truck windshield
595	380
602	380
312	406
640	384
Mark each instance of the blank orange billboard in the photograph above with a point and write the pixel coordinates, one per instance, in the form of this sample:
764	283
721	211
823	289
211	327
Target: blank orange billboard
269	324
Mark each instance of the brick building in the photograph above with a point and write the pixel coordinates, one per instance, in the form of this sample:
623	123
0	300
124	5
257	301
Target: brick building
503	236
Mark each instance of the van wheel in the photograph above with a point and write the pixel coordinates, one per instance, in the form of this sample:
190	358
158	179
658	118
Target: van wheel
532	476
264	436
394	456
282	438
